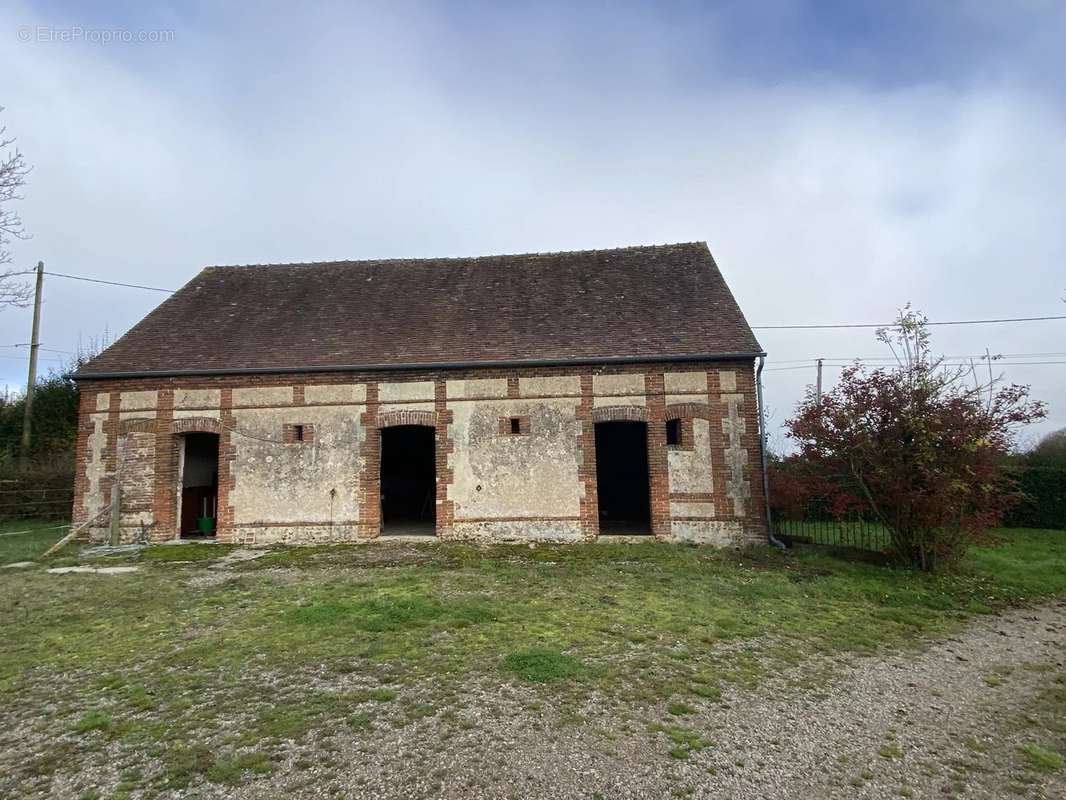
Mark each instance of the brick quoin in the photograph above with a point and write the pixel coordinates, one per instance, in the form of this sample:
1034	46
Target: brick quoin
227	451
658	477
590	511
445	514
370	478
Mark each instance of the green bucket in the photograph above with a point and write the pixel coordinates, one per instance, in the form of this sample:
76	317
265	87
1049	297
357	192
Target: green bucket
205	524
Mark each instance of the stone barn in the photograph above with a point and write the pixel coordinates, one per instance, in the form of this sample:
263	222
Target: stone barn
540	397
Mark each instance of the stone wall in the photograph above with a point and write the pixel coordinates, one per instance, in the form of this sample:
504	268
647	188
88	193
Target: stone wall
515	450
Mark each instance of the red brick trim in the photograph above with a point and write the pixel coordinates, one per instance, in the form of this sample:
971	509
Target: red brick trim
513	392
111	426
137	425
82	456
693	497
590	507
288	433
370	479
690	411
445	511
227	454
164	493
505	426
197	425
390	419
658	466
621	413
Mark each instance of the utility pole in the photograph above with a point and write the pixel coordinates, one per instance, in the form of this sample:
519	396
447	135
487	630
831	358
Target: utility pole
818	385
31	379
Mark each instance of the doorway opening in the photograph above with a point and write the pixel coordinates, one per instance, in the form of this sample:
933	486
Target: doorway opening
622	481
408	480
198	515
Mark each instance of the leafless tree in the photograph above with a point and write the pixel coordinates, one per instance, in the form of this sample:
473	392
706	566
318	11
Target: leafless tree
13	172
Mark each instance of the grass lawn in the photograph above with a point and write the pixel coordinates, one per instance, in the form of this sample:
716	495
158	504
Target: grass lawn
180	651
18	546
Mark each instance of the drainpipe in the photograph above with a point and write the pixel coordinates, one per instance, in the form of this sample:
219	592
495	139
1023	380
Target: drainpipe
762	454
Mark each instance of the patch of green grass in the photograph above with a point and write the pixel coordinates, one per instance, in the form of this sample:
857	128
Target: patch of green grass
685	741
382	695
680	709
890	751
710	691
361	721
542	664
181	764
388	613
1041	759
30	546
93	720
230	771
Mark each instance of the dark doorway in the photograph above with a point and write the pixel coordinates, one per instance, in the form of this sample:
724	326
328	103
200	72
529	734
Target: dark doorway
408	480
199	485
622	488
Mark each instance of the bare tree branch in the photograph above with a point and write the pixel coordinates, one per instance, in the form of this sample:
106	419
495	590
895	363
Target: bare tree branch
13	172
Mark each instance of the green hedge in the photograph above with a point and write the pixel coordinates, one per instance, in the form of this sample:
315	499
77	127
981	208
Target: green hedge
1045	498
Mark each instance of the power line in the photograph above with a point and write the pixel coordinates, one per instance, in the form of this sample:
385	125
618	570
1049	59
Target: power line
110	283
891	324
754	327
813	363
996	358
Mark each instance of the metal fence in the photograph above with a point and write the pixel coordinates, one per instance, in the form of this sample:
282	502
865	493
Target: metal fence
857	533
30	502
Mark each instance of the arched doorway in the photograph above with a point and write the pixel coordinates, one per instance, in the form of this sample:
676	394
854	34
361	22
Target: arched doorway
408	480
623	492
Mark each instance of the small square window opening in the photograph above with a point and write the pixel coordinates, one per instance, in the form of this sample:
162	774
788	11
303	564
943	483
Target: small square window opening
297	433
673	432
516	425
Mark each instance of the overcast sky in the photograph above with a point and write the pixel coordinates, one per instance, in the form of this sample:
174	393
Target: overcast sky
840	158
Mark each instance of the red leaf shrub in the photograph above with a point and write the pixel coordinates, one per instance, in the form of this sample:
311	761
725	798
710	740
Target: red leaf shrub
919	447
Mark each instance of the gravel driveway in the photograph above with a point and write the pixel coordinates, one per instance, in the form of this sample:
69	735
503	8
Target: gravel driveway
944	722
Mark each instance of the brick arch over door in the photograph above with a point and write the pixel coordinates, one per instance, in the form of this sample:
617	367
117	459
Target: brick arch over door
390	419
196	425
620	414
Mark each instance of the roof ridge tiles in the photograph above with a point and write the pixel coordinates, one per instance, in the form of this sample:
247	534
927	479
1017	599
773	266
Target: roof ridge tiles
534	254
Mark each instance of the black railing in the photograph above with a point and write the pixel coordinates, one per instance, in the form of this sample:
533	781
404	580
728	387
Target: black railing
857	533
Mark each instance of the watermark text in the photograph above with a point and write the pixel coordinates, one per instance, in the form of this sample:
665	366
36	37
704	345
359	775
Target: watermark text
77	34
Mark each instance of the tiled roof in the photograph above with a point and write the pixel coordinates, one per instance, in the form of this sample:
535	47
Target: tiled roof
655	302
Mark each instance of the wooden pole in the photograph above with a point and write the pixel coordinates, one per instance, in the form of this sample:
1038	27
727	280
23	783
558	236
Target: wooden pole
818	385
116	512
31	379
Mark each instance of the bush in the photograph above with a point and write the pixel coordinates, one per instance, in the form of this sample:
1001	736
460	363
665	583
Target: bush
920	446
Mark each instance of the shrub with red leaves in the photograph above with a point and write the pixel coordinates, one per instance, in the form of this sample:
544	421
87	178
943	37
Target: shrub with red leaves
920	447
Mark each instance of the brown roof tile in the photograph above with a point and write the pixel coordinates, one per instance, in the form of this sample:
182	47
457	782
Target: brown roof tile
653	302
